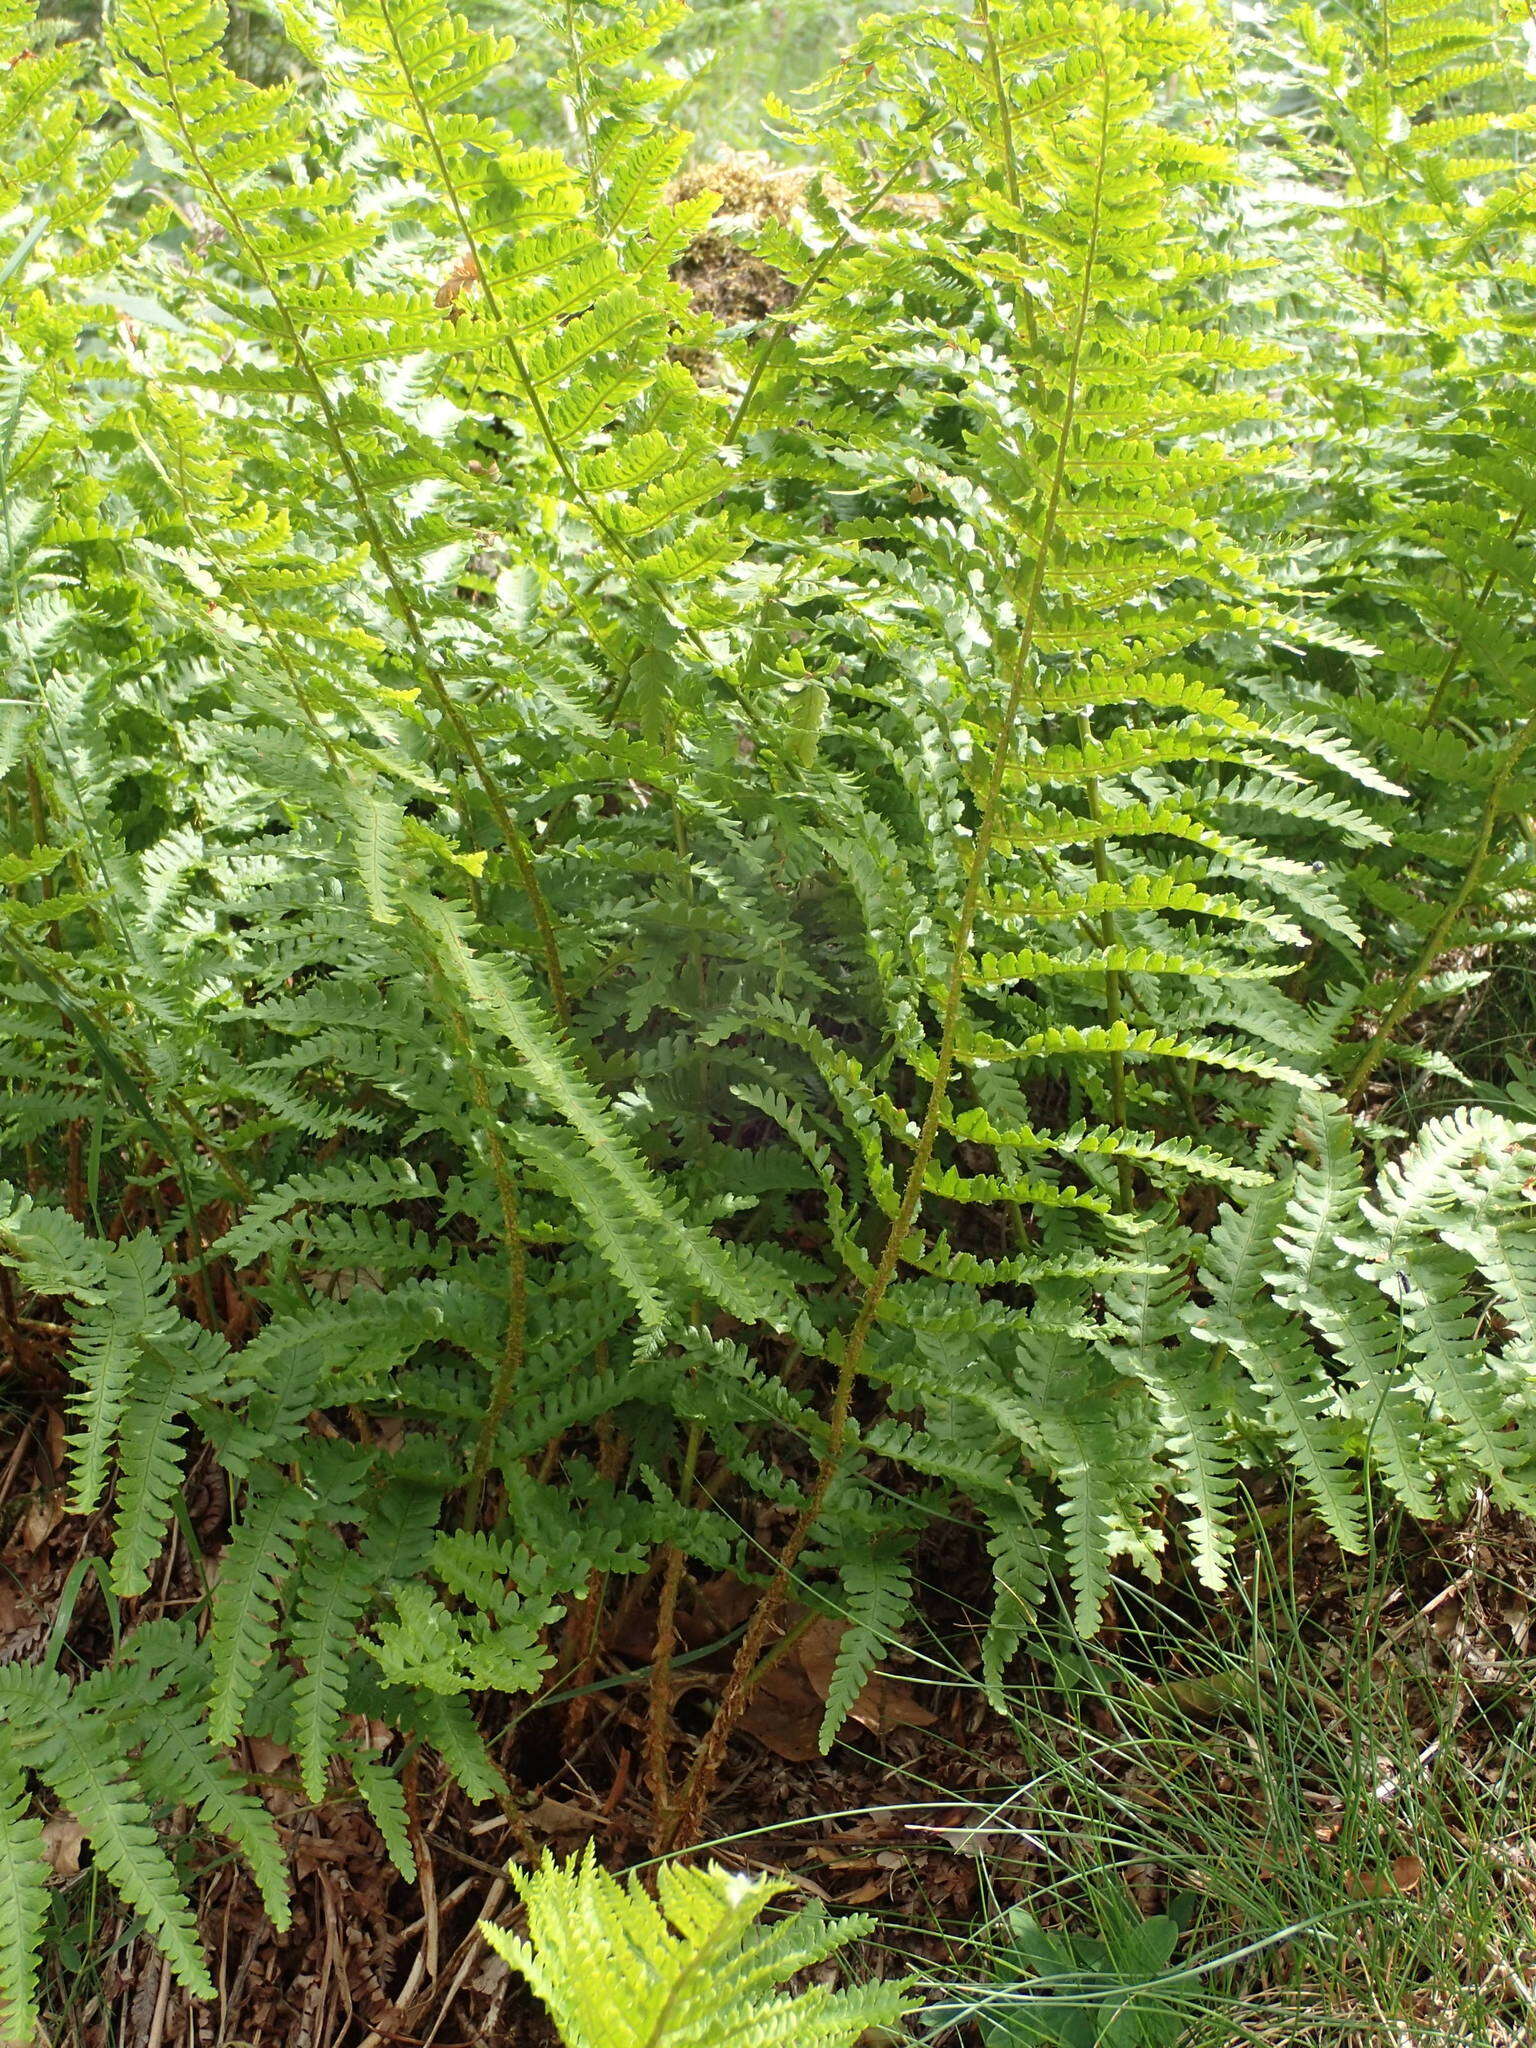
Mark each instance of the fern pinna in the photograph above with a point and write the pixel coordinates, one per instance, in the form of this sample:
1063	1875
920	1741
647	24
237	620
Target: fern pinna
608	919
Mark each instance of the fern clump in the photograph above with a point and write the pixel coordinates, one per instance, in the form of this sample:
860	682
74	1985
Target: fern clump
610	918
691	1968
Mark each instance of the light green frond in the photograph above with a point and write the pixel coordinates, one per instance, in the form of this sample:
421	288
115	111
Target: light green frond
691	1969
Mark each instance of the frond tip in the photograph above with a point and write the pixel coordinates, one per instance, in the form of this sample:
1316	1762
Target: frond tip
688	1969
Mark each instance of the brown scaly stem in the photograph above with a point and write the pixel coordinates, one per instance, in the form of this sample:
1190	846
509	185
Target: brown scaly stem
658	1727
683	1827
1434	945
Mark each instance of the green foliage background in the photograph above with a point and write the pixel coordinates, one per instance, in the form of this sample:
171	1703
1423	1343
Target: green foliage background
611	925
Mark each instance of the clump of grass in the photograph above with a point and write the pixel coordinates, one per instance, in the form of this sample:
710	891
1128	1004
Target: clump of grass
1329	1784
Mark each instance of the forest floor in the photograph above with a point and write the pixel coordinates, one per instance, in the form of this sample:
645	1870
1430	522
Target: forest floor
1337	1741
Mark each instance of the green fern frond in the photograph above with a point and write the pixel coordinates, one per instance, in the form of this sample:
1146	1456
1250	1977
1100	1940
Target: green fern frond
877	1595
177	1766
150	1450
334	1585
79	1759
255	1567
23	1906
1020	1569
689	1969
1302	1409
384	1796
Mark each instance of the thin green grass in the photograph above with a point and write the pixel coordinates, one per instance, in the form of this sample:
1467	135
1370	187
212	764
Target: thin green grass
1343	1827
1329	1779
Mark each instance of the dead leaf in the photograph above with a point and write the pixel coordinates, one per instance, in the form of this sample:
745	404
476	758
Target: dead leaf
63	1839
42	1518
17	1611
553	1817
785	1712
268	1759
789	1703
375	1735
1404	1874
1407	1873
717	1606
882	1705
866	1894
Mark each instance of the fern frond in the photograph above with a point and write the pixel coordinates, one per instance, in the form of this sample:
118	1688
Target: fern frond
1020	1569
79	1759
23	1906
618	1970
877	1593
255	1566
178	1767
150	1447
384	1797
334	1585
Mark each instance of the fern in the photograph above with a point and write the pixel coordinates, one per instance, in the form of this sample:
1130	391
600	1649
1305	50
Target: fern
1020	1567
686	1970
591	899
384	1798
79	1742
879	1597
80	1762
23	1906
333	1592
151	1439
258	1561
177	1764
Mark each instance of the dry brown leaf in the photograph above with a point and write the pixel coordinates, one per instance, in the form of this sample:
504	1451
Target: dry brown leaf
1407	1873
866	1894
882	1705
42	1518
562	1817
375	1735
717	1606
58	1440
17	1611
785	1712
1404	1874
789	1702
268	1759
63	1839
